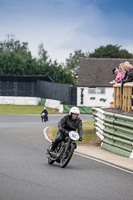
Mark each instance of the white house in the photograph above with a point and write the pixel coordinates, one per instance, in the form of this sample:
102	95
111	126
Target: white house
95	74
96	96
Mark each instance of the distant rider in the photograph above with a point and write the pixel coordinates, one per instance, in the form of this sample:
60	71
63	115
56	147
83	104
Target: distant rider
68	123
44	114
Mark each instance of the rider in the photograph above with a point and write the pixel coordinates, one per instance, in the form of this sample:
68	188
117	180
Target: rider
70	122
45	114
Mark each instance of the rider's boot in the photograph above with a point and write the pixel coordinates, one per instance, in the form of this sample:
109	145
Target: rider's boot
51	149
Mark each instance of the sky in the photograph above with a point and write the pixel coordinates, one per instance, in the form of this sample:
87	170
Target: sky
64	26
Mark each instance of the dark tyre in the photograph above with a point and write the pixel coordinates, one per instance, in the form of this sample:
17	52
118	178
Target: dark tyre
48	152
66	157
50	161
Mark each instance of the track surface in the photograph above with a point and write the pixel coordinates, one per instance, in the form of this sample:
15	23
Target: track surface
25	174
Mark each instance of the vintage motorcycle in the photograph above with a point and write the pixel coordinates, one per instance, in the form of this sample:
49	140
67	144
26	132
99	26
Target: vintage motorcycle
64	151
44	117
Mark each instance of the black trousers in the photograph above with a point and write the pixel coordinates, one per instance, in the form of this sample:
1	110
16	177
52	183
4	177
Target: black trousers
60	136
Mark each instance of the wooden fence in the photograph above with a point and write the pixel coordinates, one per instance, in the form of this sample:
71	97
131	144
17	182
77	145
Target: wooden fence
123	96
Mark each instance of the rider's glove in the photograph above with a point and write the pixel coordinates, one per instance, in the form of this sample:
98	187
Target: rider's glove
80	138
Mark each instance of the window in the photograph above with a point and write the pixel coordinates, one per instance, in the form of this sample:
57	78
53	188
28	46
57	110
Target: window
98	90
92	90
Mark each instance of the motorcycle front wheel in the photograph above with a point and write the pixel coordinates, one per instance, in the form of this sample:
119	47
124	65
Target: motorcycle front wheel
66	157
50	162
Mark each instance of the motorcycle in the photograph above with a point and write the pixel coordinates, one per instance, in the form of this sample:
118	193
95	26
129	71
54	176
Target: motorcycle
64	150
44	117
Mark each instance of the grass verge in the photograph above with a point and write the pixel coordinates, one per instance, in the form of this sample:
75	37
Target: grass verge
24	109
89	134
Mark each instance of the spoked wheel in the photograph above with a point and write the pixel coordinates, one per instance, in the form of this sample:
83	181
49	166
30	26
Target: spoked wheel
67	156
50	161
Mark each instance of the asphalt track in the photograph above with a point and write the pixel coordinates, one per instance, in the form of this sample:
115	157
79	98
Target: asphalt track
25	174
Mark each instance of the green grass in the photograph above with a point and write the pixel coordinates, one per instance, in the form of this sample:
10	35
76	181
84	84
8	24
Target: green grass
88	127
24	109
54	131
88	132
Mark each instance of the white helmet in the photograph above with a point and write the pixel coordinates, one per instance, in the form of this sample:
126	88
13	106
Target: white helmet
74	110
44	108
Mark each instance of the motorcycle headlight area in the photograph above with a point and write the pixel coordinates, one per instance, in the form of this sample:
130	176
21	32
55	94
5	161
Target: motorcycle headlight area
74	135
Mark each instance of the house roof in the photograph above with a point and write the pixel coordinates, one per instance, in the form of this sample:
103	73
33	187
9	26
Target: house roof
97	72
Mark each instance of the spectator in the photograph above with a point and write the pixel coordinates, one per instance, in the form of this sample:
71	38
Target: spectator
125	68
126	63
121	65
119	75
114	71
129	68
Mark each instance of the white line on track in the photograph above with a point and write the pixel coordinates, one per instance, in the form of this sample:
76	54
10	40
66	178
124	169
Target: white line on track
91	158
45	134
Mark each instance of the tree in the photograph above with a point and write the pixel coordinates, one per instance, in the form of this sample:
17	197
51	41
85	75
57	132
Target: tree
11	64
73	62
42	54
110	51
16	59
58	74
13	45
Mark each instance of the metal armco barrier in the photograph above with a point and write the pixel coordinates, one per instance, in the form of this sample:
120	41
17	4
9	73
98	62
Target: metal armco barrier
115	132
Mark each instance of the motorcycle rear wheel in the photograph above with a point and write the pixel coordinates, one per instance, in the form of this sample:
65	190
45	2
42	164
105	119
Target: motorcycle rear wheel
66	157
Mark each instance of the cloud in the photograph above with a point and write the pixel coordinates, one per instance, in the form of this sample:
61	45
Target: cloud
86	30
67	25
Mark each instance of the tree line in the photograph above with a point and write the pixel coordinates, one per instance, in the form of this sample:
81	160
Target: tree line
16	59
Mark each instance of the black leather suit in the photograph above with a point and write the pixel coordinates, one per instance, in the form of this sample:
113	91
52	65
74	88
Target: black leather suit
130	77
65	125
46	114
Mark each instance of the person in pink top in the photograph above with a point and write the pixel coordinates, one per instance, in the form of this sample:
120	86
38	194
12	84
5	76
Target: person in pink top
119	75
